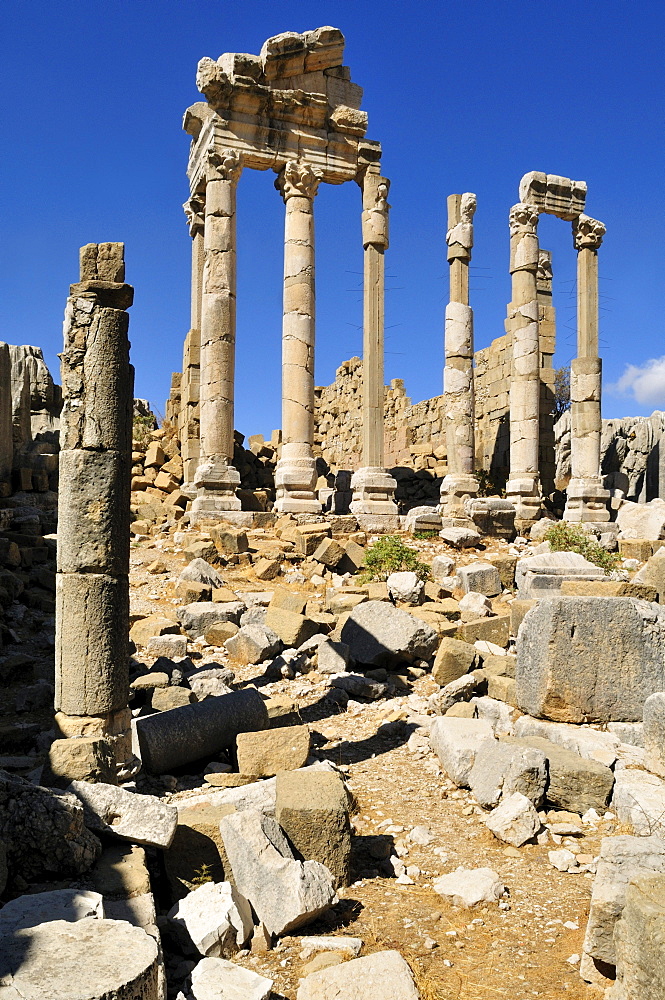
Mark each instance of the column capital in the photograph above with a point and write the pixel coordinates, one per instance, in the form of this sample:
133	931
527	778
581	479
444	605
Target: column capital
375	210
298	179
523	219
223	165
587	233
194	209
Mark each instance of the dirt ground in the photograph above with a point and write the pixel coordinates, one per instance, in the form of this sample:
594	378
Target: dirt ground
529	946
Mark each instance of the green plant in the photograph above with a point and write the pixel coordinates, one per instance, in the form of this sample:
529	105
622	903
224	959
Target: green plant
202	875
425	535
141	428
566	537
391	555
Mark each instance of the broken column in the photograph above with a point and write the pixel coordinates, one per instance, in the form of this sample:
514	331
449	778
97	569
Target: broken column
373	488
92	588
459	482
188	421
216	480
587	500
295	476
523	486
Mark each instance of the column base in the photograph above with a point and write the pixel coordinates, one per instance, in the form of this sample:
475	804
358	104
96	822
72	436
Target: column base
215	483
455	489
524	494
295	486
112	730
587	501
373	492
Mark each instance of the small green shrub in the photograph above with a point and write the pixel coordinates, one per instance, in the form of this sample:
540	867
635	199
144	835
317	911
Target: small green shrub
425	535
202	875
141	428
566	537
391	555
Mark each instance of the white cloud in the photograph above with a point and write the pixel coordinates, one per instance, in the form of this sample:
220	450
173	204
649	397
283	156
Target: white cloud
645	383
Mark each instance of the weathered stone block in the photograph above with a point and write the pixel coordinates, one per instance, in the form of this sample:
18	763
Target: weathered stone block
312	809
575	783
267	752
453	659
382	635
456	742
590	633
384	975
93	526
638	940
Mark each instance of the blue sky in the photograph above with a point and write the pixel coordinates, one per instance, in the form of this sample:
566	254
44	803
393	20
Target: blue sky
463	96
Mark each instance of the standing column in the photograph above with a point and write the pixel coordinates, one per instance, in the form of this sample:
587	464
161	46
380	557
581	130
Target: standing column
523	487
92	588
295	476
587	500
216	480
188	418
460	483
373	488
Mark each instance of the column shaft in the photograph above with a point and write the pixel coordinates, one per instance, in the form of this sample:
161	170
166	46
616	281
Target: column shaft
587	500
216	480
295	476
459	484
373	487
523	487
92	583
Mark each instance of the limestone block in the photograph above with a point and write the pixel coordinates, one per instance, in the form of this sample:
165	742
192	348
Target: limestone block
639	801
92	660
481	578
198	617
86	758
171	646
143	630
266	753
500	770
453	659
382	976
200	571
494	629
164	699
215	978
575	783
405	587
653	573
638	939
442	567
622	860
642	520
460	538
514	820
381	635
284	893
93	527
312	809
216	917
329	552
588	743
470	886
291	628
332	657
252	644
141	819
590	632
456	743
654	733
95	959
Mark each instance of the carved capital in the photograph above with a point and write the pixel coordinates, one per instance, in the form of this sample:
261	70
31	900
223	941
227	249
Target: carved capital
298	179
523	219
587	233
224	165
194	210
468	207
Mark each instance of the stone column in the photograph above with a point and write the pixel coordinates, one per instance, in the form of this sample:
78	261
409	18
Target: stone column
216	480
587	500
523	486
295	476
460	483
92	588
373	488
188	418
